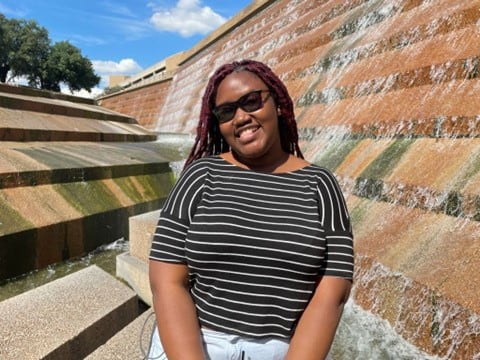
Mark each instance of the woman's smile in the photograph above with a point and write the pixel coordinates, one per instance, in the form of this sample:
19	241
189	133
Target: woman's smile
247	134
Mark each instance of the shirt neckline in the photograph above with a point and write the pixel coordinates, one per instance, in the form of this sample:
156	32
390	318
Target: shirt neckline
262	172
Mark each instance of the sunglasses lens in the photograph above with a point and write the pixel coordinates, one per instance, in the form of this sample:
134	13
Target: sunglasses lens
249	103
225	113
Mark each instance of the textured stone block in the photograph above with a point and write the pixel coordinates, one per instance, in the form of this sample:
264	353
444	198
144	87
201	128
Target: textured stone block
67	318
130	343
141	230
135	273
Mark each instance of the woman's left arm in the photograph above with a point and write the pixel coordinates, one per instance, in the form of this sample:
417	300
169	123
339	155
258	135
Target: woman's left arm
317	325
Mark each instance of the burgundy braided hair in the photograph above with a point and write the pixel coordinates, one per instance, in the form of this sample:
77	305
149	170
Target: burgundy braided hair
209	140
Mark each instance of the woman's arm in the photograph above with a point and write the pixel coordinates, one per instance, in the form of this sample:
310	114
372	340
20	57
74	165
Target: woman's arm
317	325
175	311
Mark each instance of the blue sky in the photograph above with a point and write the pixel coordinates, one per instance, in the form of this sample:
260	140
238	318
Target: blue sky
125	36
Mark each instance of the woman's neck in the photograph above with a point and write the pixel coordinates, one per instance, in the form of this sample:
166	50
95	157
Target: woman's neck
264	164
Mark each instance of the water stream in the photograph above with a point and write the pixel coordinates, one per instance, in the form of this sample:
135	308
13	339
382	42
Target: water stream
364	336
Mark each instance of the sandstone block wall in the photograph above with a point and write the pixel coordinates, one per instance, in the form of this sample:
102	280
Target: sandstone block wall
386	97
143	104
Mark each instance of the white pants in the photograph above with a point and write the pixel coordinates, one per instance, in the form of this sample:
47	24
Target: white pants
221	346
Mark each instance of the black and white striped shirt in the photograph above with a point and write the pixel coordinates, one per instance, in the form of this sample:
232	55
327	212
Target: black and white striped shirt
254	243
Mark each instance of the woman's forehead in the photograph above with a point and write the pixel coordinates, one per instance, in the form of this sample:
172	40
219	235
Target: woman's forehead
237	84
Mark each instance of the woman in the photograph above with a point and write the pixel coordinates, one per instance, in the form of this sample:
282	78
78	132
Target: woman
253	255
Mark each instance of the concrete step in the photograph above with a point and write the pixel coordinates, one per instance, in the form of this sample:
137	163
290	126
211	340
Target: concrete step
38	163
23	125
132	266
130	343
61	107
65	319
29	91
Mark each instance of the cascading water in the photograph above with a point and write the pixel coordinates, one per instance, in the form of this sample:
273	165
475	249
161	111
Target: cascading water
363	336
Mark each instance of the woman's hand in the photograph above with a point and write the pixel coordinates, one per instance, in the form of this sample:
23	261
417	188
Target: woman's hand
317	325
175	311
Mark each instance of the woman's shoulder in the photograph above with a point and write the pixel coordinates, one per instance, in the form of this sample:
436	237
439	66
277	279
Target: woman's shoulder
203	165
320	172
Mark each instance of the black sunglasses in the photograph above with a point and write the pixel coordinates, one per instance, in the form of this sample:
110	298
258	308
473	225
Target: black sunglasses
249	102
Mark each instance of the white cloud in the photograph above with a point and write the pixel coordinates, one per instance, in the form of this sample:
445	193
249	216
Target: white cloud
83	93
124	67
187	18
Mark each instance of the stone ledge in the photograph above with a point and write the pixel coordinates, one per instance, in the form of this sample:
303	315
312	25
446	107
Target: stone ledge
79	174
141	230
135	273
67	318
28	91
133	266
61	107
130	343
19	134
38	163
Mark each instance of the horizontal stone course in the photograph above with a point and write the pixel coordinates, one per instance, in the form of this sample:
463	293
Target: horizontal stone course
60	107
67	318
29	91
73	157
389	108
22	125
57	176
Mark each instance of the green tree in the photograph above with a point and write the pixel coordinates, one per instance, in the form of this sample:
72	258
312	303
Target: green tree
26	50
7	46
31	48
65	64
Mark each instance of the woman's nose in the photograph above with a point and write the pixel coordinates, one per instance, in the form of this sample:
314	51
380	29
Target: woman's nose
241	116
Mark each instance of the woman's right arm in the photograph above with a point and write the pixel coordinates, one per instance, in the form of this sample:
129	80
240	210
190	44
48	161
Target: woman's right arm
175	312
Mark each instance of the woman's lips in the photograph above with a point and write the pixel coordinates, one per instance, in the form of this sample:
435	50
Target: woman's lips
247	135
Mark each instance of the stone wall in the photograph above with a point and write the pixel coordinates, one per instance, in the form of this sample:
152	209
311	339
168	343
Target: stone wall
143	103
386	97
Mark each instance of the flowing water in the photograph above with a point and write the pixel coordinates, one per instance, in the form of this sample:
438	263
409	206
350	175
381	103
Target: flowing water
364	336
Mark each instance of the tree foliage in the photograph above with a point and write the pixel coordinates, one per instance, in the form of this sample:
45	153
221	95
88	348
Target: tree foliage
26	50
66	64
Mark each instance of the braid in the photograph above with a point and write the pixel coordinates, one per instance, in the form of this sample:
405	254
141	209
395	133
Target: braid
209	140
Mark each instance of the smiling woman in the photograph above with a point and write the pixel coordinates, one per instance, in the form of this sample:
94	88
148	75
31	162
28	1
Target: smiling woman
253	256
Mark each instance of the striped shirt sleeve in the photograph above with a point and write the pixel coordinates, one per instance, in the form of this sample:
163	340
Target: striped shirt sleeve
338	231
168	243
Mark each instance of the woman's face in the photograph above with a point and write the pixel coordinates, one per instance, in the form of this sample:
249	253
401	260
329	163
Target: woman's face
250	134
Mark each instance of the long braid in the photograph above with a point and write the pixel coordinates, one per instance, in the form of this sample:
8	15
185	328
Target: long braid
209	140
